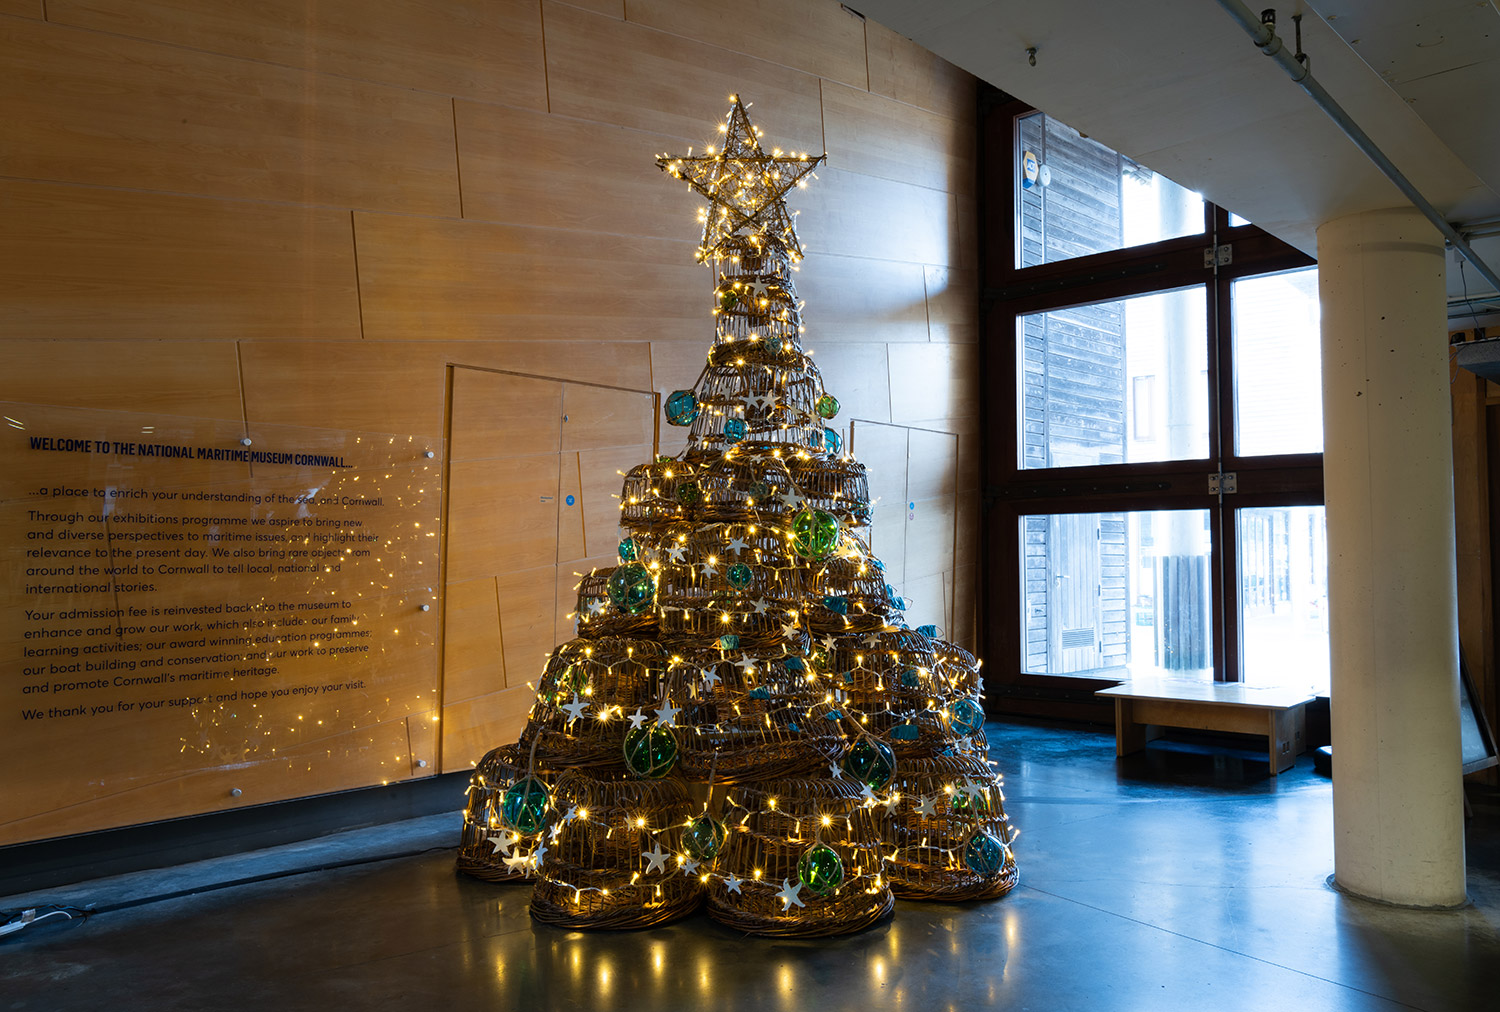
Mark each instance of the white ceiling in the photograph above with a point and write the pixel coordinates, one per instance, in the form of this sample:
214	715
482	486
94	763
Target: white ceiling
1178	85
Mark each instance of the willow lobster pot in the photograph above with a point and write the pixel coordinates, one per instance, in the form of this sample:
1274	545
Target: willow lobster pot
948	837
598	616
887	677
480	853
729	580
752	715
781	833
587	689
656	494
744	486
836	485
613	863
847	595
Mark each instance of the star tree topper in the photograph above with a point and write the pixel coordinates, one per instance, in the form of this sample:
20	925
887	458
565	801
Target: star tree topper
745	187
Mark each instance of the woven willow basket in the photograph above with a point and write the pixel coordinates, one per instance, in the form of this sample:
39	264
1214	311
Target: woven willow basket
595	873
956	668
887	677
838	485
847	595
477	856
924	858
698	599
766	842
751	715
650	497
597	616
742	486
620	674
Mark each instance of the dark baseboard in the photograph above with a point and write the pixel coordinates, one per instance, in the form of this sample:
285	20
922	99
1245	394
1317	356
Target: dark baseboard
44	864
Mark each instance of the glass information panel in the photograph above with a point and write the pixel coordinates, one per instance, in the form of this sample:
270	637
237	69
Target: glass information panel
195	619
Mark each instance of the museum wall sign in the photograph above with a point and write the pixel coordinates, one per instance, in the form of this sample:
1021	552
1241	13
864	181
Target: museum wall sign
199	616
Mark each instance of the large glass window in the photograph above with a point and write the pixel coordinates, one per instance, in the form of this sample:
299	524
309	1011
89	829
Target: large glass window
1283	567
1153	466
1117	594
1278	372
1076	197
1086	370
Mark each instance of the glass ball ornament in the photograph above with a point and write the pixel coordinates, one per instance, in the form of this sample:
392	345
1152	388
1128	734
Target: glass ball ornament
760	491
820	870
832	441
681	407
815	533
729	641
739	575
704	837
728	300
835	604
688	493
650	751
734	430
827	406
632	588
815	439
967	717
983	854
524	805
871	762
910	678
629	550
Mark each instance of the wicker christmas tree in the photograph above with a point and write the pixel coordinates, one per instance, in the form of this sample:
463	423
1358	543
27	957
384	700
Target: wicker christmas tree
744	716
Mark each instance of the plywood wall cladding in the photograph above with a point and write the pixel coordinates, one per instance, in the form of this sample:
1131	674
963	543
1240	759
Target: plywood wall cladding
490	51
444	221
110	264
87	107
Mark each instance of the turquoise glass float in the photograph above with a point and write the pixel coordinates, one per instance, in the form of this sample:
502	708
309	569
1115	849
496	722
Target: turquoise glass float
682	407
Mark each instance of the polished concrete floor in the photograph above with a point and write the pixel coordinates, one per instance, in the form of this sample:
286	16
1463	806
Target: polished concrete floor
1185	878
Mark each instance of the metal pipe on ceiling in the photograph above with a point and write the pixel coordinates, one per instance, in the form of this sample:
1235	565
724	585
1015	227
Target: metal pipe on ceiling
1263	34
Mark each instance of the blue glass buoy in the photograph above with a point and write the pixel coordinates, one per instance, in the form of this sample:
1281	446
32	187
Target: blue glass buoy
968	717
984	855
833	441
682	407
930	631
734	430
629	550
729	641
837	605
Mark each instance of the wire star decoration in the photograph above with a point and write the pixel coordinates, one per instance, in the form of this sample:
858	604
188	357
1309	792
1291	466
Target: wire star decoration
745	187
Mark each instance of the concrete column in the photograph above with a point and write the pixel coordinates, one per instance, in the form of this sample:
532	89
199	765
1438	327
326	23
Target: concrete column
1393	617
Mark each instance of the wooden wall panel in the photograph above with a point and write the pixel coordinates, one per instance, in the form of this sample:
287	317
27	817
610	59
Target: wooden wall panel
952	293
83	262
863	216
490	50
500	415
625	74
857	299
574	174
345	385
503	515
570	514
23	8
821	39
201	380
85	107
528	603
474	726
610	8
857	375
430	279
595	417
602	472
473	664
880	137
933	381
602	361
903	70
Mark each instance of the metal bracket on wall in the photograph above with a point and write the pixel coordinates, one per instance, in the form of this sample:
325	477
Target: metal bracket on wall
1223	483
1218	256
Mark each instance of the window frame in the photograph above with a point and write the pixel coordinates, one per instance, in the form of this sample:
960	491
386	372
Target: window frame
1009	491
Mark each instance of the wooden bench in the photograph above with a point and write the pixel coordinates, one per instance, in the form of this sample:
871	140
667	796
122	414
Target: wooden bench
1144	706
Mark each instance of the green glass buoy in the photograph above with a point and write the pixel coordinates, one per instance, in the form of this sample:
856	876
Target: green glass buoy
728	300
967	717
524	805
821	870
740	576
827	406
629	550
650	751
760	491
984	854
871	762
703	837
688	493
815	533
632	588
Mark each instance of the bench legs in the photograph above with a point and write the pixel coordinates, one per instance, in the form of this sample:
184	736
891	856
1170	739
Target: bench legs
1140	721
1131	736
